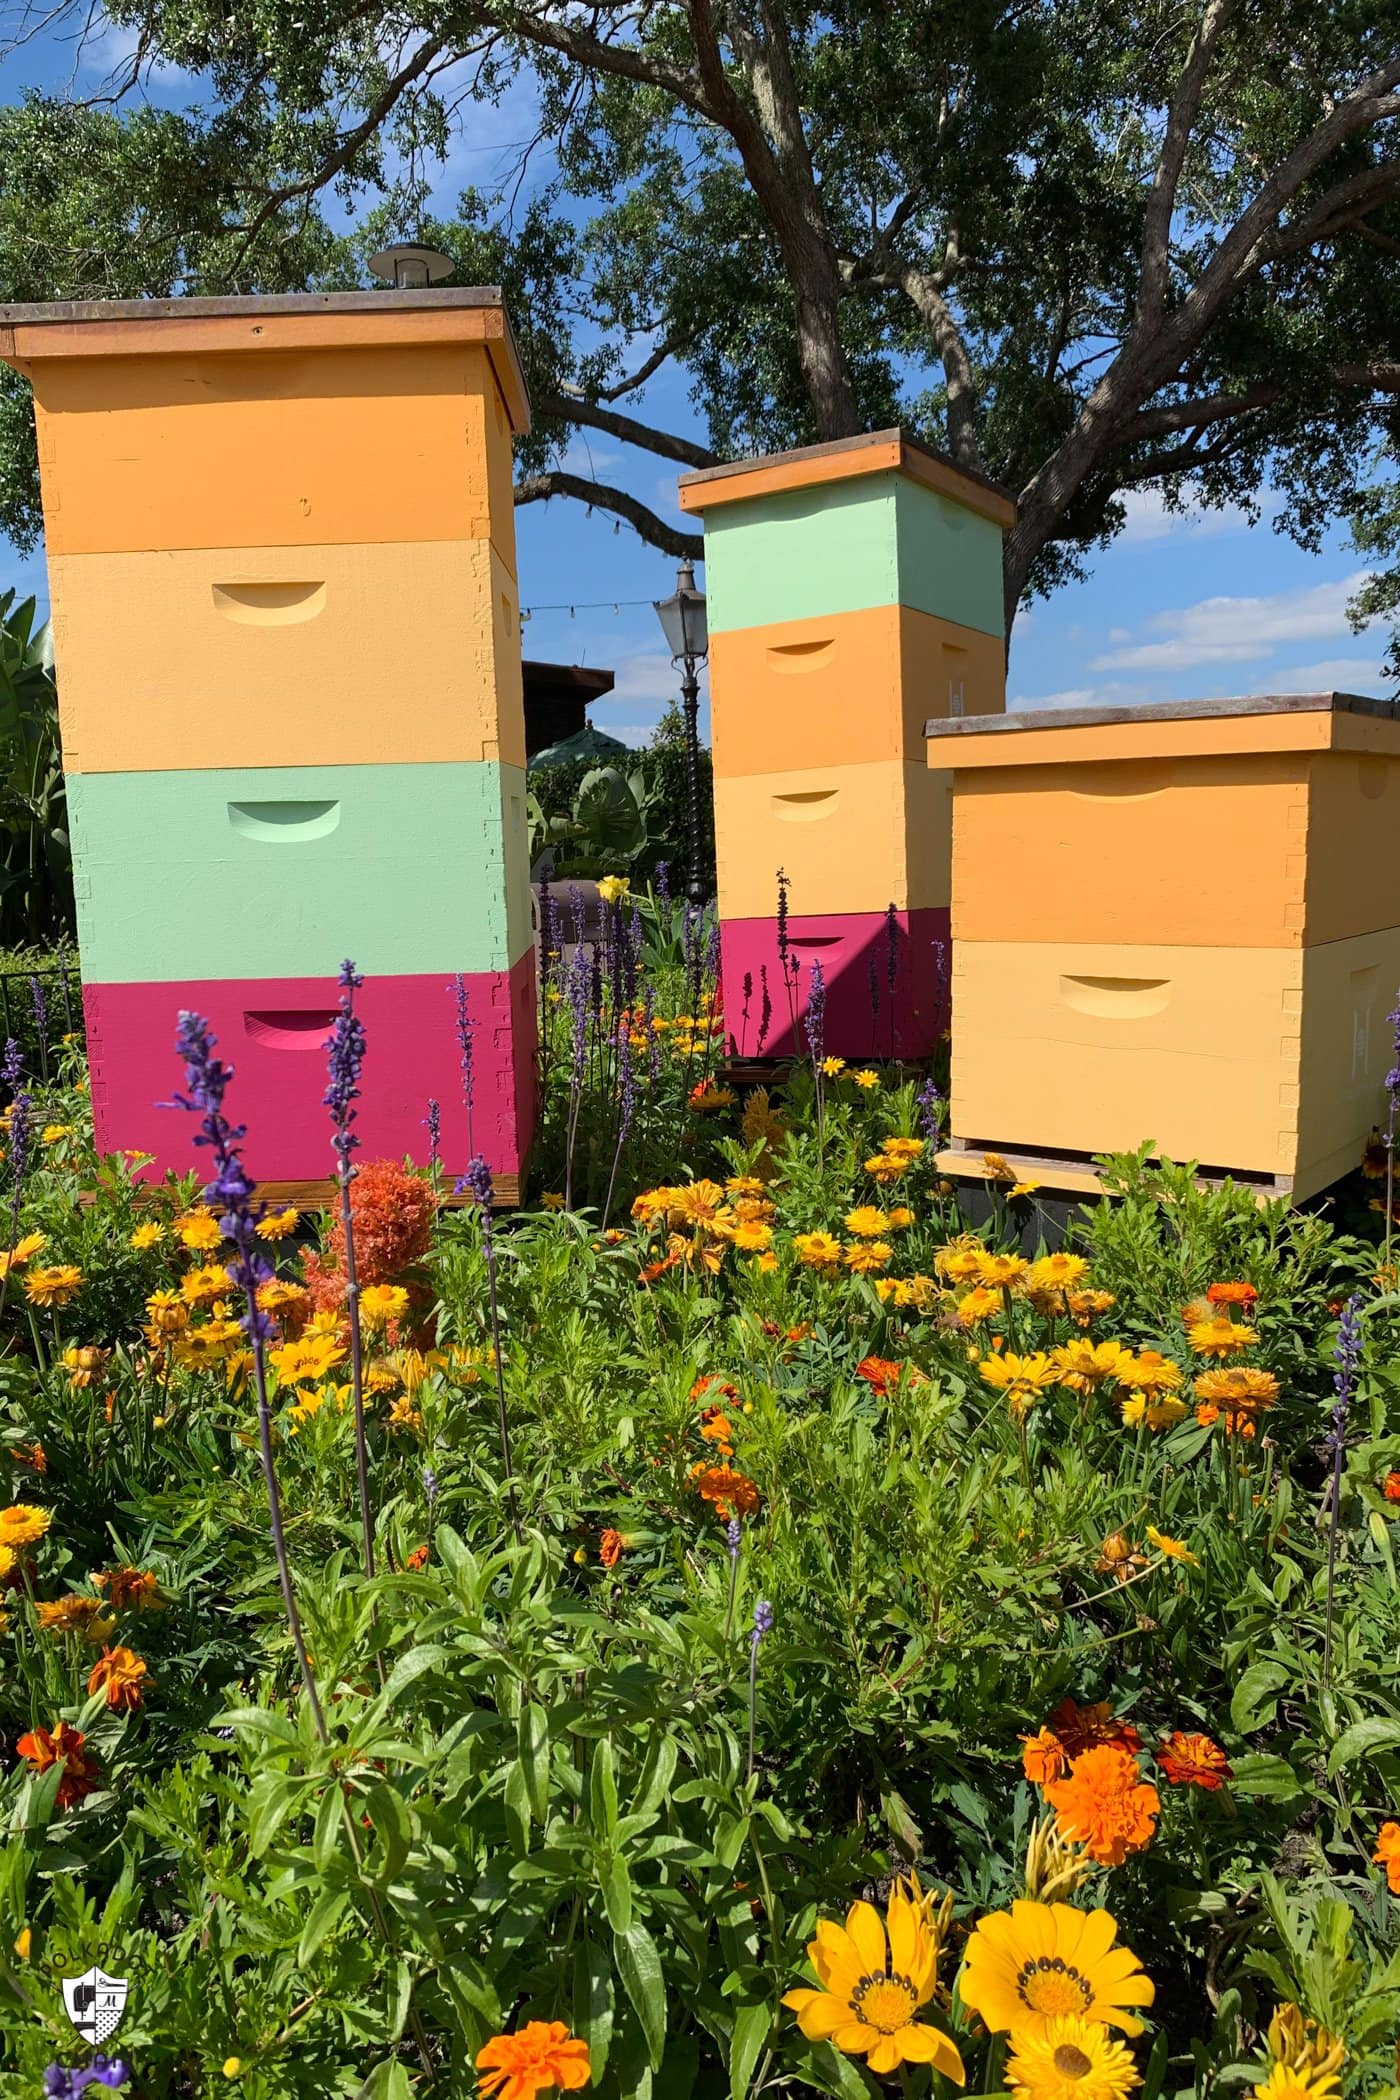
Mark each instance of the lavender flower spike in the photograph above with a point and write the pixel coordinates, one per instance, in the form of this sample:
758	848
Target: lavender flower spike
231	1191
346	1044
432	1123
467	1042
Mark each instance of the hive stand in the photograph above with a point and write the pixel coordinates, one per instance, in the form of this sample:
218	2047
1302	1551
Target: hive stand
854	588
1178	924
281	553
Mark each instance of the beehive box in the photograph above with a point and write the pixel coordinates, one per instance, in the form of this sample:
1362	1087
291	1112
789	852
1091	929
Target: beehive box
853	588
281	553
1178	924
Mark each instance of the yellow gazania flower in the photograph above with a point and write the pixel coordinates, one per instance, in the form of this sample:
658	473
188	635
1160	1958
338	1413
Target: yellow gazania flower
1085	1366
21	1253
278	1224
741	1186
1022	1378
872	1990
833	1066
1040	1962
1021	1188
1172	1548
404	1415
1297	2082
147	1236
1056	1272
552	1199
1219	1337
203	1286
978	1305
866	1079
55	1286
1157	1412
865	1257
866	1222
198	1229
816	1250
55	1133
212	1343
611	888
23	1523
380	1303
1000	1271
885	1167
910	1148
1075	2059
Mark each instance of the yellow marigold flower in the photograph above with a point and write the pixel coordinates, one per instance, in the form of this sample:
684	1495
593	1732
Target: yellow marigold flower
380	1303
1085	1366
55	1286
978	1305
866	1222
1022	1378
54	1133
1172	1548
864	1257
611	888
1056	1272
1219	1337
23	1523
833	1066
1040	1962
203	1286
961	1260
1154	1411
278	1224
873	1987
147	1236
1075	2059
1001	1272
816	1250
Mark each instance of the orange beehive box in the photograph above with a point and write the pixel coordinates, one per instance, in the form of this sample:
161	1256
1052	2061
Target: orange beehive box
1178	924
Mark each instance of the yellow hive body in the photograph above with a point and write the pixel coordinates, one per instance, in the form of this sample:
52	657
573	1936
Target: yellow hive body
1179	924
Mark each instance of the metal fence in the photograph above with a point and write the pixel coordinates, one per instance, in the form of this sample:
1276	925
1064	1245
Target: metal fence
40	1008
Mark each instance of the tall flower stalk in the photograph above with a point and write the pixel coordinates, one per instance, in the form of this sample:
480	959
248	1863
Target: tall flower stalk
815	1025
20	1132
347	1055
1347	1356
1392	1095
478	1179
762	1624
467	1045
206	1081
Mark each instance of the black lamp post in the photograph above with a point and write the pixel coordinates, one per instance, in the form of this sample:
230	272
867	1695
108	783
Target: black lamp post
683	623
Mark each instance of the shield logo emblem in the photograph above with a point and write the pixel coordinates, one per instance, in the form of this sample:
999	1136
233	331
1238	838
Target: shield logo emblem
95	2003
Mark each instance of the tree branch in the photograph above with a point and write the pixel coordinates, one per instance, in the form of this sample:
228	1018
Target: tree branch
574	408
922	291
1161	201
538	488
645	370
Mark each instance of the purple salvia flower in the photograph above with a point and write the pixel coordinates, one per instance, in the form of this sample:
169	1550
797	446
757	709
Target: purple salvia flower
578	985
815	1021
231	1191
40	1005
928	1103
762	1620
467	1061
346	1045
762	1624
765	1009
663	889
478	1179
12	1065
782	920
432	1123
431	1485
733	1536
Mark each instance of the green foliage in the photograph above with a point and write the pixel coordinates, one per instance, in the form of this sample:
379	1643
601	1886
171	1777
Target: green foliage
606	836
36	860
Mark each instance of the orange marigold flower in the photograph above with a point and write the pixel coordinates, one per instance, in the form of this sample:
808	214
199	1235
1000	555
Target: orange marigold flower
1390	1487
732	1494
540	2057
1043	1757
1235	1424
32	1455
716	1428
1233	1294
1386	1854
121	1675
882	1373
418	1559
1193	1760
708	1386
1082	1728
130	1589
61	1745
610	1548
1105	1804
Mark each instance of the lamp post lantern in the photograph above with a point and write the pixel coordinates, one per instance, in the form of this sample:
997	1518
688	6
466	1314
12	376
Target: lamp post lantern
683	623
409	266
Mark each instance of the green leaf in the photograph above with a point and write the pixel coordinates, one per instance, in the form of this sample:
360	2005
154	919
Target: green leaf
326	1914
593	2002
823	2068
639	1966
751	2031
602	1791
392	1819
1361	1739
617	1893
532	1732
387	2081
1254	1705
1257	1773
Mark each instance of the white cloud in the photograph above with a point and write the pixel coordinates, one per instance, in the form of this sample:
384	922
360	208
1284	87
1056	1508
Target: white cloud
1149	518
1236	630
1336	674
1112	693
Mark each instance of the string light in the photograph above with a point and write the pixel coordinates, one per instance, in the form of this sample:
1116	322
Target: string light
594	605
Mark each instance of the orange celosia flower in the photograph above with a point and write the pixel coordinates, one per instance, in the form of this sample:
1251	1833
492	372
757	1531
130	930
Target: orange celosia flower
732	1494
1105	1804
1233	1294
392	1211
1043	1757
61	1745
610	1548
540	2057
122	1676
1193	1760
1386	1854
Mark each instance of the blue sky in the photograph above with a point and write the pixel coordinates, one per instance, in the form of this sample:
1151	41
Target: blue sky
1201	606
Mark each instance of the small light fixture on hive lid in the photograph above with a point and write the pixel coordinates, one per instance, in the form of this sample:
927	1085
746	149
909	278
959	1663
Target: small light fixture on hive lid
684	624
411	267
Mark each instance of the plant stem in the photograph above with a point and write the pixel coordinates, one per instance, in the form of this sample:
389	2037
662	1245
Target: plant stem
357	1365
